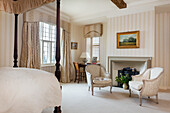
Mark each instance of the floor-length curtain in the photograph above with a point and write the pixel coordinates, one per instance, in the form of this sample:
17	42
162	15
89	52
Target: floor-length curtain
162	47
30	53
65	57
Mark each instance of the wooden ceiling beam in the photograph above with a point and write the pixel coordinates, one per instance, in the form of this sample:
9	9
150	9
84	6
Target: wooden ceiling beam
120	4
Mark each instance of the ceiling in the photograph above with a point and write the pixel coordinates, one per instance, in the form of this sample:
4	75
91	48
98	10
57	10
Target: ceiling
81	10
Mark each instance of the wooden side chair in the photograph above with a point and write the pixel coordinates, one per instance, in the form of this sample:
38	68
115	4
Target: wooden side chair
79	74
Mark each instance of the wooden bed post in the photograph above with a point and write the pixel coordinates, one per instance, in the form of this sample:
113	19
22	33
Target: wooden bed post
16	41
57	72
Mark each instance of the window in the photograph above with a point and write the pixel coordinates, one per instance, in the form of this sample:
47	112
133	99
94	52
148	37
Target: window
93	47
47	43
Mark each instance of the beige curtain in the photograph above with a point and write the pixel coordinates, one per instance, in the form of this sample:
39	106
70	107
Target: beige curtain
30	53
66	62
162	47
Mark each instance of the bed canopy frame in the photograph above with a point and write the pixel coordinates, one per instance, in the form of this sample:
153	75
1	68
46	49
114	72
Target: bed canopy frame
20	6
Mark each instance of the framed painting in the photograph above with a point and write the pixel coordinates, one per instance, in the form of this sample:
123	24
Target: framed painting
128	40
74	45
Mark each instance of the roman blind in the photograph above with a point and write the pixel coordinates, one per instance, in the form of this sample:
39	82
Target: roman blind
93	30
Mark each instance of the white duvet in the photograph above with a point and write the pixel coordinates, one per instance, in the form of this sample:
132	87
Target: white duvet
24	90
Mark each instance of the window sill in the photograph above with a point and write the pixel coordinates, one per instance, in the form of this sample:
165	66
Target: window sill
47	65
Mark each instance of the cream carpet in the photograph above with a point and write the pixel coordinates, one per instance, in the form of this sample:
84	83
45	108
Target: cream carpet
77	99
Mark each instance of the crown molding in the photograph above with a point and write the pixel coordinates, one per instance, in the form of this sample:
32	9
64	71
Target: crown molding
136	7
133	8
102	16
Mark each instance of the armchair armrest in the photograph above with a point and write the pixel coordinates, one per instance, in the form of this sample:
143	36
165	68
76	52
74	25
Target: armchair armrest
137	77
104	73
107	75
89	78
150	87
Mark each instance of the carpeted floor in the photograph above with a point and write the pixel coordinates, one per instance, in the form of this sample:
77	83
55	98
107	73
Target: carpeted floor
77	99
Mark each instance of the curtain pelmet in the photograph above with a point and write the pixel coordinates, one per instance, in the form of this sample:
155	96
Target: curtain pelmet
94	30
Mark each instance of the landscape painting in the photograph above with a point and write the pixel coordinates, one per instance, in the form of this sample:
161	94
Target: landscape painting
128	39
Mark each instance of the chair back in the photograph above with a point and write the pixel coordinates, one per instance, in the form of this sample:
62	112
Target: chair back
156	72
94	70
76	66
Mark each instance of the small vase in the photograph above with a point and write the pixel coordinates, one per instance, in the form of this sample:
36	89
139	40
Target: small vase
125	86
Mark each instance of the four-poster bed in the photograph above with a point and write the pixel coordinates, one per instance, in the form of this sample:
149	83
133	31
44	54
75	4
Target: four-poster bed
21	6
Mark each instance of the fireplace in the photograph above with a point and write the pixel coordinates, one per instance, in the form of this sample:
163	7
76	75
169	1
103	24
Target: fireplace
127	71
116	63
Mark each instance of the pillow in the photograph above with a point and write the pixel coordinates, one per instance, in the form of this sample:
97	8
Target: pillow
146	75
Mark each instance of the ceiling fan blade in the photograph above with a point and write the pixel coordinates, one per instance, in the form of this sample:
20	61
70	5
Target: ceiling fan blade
120	4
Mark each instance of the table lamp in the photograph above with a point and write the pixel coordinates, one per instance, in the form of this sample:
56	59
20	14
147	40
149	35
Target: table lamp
85	56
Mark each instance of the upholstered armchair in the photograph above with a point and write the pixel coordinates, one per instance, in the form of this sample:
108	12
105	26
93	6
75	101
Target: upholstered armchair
147	83
97	77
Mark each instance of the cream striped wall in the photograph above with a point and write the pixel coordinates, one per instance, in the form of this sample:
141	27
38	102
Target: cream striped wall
162	46
6	38
144	22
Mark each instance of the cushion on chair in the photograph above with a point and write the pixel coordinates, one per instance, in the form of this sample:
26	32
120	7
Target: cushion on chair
146	75
136	85
101	80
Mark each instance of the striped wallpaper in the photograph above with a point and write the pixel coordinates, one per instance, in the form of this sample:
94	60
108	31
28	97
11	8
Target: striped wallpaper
162	46
144	22
154	39
7	38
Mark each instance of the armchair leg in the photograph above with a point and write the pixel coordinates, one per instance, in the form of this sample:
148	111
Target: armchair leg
111	89
129	92
157	98
92	90
140	99
89	88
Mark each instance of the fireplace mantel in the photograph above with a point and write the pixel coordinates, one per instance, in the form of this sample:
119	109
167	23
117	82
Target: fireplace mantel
118	62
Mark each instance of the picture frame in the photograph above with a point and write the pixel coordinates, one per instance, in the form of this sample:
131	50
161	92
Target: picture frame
128	40
94	60
74	45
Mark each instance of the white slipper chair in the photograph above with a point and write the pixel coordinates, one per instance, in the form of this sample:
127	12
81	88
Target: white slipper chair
97	77
147	83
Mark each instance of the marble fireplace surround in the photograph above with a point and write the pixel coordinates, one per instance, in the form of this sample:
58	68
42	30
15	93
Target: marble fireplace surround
116	63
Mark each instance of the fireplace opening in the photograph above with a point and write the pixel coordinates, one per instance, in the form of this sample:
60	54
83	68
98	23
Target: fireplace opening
127	71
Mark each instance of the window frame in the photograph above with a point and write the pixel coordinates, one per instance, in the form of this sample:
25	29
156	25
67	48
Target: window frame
91	48
47	41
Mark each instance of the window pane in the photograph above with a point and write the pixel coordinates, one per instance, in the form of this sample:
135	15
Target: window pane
96	41
46	51
46	35
41	51
47	43
88	46
53	53
95	52
53	33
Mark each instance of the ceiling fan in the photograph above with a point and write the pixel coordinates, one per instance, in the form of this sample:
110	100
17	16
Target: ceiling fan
120	3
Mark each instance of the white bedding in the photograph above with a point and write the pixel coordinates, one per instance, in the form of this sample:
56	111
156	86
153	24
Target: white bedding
24	90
